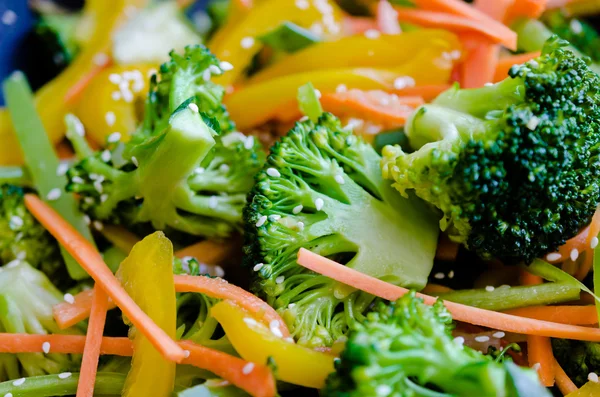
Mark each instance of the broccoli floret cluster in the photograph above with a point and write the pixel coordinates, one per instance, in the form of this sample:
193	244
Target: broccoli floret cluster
406	349
579	33
321	189
577	358
514	167
184	169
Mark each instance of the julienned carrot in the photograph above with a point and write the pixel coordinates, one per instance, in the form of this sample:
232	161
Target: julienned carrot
77	89
506	62
358	25
467	314
455	23
495	9
68	314
436	289
91	260
480	66
93	341
574	315
563	382
581	242
259	382
525	9
447	250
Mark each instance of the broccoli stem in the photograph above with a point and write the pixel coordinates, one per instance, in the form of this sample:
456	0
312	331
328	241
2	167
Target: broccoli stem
15	175
51	385
515	297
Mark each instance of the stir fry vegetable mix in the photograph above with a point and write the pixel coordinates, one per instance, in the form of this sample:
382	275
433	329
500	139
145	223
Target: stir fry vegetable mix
415	184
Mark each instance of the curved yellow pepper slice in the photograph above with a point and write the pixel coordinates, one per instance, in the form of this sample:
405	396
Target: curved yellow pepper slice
147	276
49	99
114	100
256	343
257	103
238	43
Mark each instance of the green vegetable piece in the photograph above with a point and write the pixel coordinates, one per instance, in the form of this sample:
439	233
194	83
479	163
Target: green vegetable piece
15	175
51	385
289	37
577	358
396	137
213	388
308	101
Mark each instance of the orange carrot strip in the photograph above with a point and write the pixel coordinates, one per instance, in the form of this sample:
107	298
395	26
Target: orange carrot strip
77	89
455	23
447	250
358	25
467	314
436	289
581	242
575	315
69	314
525	9
586	265
64	151
480	66
259	382
207	251
496	9
506	62
563	382
91	260
387	18
93	341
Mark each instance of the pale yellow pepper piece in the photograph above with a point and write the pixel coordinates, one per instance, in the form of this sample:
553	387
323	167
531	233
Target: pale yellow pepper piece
590	389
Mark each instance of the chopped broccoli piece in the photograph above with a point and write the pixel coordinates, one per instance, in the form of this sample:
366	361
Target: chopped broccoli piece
406	349
175	173
514	166
577	358
26	300
322	189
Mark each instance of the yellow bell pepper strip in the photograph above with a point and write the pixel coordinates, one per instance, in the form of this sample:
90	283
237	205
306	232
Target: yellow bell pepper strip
50	101
386	51
430	66
590	389
147	276
256	343
238	44
113	100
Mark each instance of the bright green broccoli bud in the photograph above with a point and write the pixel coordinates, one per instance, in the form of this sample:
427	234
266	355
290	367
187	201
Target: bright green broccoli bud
577	358
176	172
322	189
26	300
513	166
405	349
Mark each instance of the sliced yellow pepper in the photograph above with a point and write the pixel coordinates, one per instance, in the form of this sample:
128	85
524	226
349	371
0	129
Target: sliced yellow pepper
238	43
262	101
147	276
50	101
256	343
104	108
590	389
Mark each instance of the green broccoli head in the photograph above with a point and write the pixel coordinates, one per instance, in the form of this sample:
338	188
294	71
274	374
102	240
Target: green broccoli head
577	358
26	300
322	189
405	349
176	172
579	33
513	166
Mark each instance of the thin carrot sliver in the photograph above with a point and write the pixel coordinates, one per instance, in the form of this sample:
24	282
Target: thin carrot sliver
526	9
563	382
68	314
91	260
506	62
77	89
358	25
467	314
495	9
93	341
447	250
436	289
480	66
259	382
575	315
581	242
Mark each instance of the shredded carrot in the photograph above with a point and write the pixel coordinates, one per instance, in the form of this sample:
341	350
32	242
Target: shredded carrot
581	242
530	279
525	9
77	89
467	314
563	382
358	25
93	341
447	250
64	151
480	66
455	23
68	314
259	382
575	315
496	9
91	260
387	18
586	264
436	289
506	62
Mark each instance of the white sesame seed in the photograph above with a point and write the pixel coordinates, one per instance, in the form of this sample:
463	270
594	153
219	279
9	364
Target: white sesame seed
9	17
226	66
8	395
19	382
224	168
482	338
488	84
199	170
274	218
79	128
114	137
302	4
554	256
105	156
98	225
372	34
258	266
193	107
261	221
115	78
212	202
536	366
69	298
404	82
206	75
16	222
250	321
594	242
489	288
383	390
289	339
576	26
273	172
280	279
341	88
247	42
53	194
116	95
339	179
274	327
533	123
439	276
499	334
186	353
87	219
574	254
249	142
593	377
64	375
534	64
127	96
319	204
62	169
103	198
297	209
248	368
451	274
135	161
291	305
78	179
46	347
318	93
300	226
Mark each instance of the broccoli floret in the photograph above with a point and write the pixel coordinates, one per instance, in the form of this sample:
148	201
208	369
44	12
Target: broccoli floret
322	189
577	358
26	300
405	349
514	166
175	173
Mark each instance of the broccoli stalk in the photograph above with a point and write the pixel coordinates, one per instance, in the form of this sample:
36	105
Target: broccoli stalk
406	349
514	166
175	172
321	189
26	300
